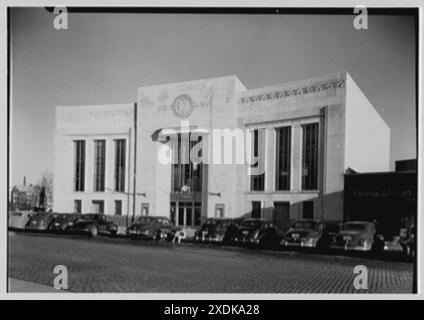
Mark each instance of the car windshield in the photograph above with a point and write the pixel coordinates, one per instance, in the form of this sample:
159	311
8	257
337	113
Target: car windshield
90	217
164	222
355	226
305	225
17	214
251	223
63	217
145	220
211	222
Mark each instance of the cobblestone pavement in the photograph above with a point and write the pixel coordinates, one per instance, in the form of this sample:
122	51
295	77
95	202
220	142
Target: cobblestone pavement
119	265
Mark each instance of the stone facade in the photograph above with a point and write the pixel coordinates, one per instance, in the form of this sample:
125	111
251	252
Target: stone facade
334	101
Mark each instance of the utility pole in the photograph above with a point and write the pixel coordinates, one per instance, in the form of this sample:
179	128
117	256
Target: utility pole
135	160
128	182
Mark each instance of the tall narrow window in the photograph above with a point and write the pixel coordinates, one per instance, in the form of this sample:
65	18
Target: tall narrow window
118	207
308	209
186	176
256	209
98	206
77	206
120	165
219	210
99	165
257	180
79	151
310	156
145	209
282	163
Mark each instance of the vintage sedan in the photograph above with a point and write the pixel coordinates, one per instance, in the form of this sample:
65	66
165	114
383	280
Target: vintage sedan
152	228
358	235
214	230
63	221
93	224
306	233
18	220
257	231
40	221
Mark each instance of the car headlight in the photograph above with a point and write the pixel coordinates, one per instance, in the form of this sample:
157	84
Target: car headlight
310	241
364	242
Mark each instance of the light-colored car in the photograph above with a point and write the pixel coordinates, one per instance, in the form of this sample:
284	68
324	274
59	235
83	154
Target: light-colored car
40	221
18	220
358	235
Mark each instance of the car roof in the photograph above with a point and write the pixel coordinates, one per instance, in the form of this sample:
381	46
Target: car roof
257	219
360	222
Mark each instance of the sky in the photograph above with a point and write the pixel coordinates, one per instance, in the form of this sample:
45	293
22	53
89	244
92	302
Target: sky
104	58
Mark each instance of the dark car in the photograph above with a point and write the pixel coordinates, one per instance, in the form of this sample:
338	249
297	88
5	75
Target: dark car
214	230
409	245
258	232
94	224
40	221
63	221
307	233
358	235
152	228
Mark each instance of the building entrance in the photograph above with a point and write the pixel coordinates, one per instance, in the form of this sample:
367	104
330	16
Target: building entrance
186	213
186	187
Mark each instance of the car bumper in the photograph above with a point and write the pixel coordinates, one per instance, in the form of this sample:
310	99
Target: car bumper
351	248
302	244
140	235
36	229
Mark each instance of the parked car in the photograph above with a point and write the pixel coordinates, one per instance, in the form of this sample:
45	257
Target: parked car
18	220
94	224
40	221
358	235
152	228
258	232
409	244
307	233
213	230
63	221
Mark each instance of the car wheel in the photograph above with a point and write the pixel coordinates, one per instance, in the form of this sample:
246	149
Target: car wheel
94	232
158	236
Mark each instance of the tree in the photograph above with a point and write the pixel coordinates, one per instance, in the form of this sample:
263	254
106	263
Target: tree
46	192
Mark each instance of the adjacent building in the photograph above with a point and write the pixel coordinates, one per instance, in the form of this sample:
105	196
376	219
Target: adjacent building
130	159
389	198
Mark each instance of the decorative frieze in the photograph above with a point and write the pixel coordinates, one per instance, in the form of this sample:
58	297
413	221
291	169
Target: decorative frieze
293	92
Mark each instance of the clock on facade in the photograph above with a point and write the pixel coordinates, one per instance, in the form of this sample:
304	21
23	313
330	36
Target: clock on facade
183	106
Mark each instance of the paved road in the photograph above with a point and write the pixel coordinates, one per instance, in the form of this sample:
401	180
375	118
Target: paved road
119	265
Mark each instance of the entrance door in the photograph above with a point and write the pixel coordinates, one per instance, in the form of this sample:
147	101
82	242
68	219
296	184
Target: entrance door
185	213
281	215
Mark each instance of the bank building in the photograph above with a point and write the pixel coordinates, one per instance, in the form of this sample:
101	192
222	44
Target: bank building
308	133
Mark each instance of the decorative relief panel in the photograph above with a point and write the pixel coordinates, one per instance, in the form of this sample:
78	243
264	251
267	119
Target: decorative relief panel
287	93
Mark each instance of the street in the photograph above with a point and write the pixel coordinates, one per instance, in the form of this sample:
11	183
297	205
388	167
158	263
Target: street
121	265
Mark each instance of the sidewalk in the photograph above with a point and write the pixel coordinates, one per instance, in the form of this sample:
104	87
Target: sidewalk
21	286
